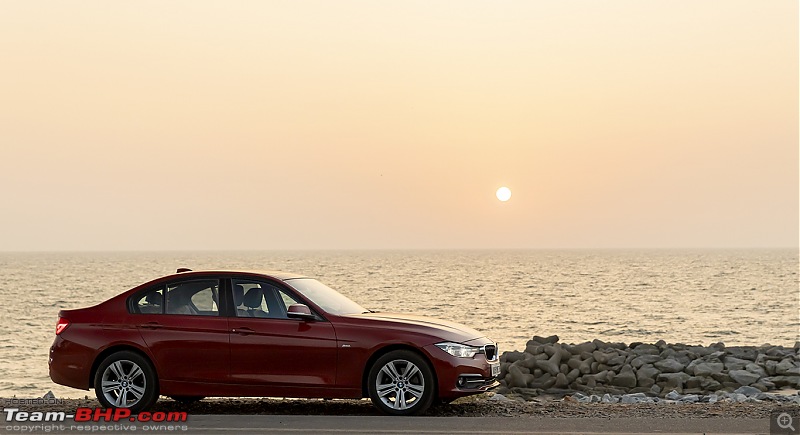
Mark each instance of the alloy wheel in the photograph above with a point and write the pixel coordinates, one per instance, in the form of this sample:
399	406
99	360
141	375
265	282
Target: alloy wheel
400	384
123	383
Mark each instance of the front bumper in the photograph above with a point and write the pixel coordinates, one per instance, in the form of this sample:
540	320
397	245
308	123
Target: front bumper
458	377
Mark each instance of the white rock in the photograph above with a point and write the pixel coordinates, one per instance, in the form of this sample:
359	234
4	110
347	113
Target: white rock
690	398
634	398
748	391
607	398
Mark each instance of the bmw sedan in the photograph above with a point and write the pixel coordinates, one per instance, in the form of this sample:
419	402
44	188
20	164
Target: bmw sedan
264	334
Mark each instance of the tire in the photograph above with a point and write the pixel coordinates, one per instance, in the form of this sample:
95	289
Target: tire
130	382
395	391
186	400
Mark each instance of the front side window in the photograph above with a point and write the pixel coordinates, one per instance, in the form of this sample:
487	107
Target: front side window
261	299
194	298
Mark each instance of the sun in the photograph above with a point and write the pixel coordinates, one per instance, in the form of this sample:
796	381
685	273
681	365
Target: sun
503	194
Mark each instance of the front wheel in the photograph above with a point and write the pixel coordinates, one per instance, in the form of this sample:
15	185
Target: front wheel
126	380
401	383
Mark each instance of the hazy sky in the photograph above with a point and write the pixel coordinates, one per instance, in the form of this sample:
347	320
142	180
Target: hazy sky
338	125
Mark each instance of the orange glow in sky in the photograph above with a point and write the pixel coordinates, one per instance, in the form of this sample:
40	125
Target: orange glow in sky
359	124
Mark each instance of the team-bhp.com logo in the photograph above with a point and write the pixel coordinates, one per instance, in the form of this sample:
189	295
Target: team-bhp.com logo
83	415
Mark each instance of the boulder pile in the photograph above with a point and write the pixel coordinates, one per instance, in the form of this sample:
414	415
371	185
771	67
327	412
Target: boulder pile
655	370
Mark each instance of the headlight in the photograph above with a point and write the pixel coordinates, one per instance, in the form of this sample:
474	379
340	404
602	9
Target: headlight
459	350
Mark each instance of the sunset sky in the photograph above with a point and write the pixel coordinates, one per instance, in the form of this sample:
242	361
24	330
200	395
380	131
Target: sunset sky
390	125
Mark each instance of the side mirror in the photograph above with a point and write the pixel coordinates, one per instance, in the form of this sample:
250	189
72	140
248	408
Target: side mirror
300	311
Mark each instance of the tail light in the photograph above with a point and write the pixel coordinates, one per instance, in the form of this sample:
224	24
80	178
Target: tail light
61	325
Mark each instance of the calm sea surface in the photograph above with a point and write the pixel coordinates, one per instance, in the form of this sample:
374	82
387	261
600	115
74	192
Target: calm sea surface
738	297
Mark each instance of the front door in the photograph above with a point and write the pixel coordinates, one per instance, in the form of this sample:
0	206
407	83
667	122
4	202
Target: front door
269	348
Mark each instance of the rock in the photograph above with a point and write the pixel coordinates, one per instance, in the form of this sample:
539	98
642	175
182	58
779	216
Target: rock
573	375
644	359
756	369
546	340
561	381
586	366
646	349
785	381
599	344
706	368
634	398
583	347
499	398
655	389
733	363
626	378
709	384
616	360
690	398
607	398
673	381
778	351
594	398
743	377
601	357
713	398
582	398
721	377
673	395
743	352
787	367
512	356
748	391
646	376
767	385
694	383
516	378
548	366
669	366
49	395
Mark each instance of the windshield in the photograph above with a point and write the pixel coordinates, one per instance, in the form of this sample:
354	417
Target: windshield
325	297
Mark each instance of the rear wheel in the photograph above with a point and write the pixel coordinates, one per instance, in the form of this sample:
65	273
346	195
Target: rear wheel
401	383
126	380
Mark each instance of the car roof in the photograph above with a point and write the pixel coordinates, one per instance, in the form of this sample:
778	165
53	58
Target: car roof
274	274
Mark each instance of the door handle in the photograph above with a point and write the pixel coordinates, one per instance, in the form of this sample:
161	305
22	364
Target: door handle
242	331
151	325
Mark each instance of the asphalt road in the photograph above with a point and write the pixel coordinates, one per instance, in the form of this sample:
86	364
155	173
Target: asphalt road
296	424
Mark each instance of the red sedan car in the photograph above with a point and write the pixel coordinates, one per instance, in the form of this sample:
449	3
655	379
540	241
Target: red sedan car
272	334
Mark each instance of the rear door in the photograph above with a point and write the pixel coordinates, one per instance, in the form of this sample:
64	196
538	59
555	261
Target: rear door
183	328
268	348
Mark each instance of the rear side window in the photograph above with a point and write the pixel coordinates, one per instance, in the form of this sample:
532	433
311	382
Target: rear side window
150	302
194	298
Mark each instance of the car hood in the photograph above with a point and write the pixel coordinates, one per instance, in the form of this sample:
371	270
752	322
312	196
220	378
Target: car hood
440	329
